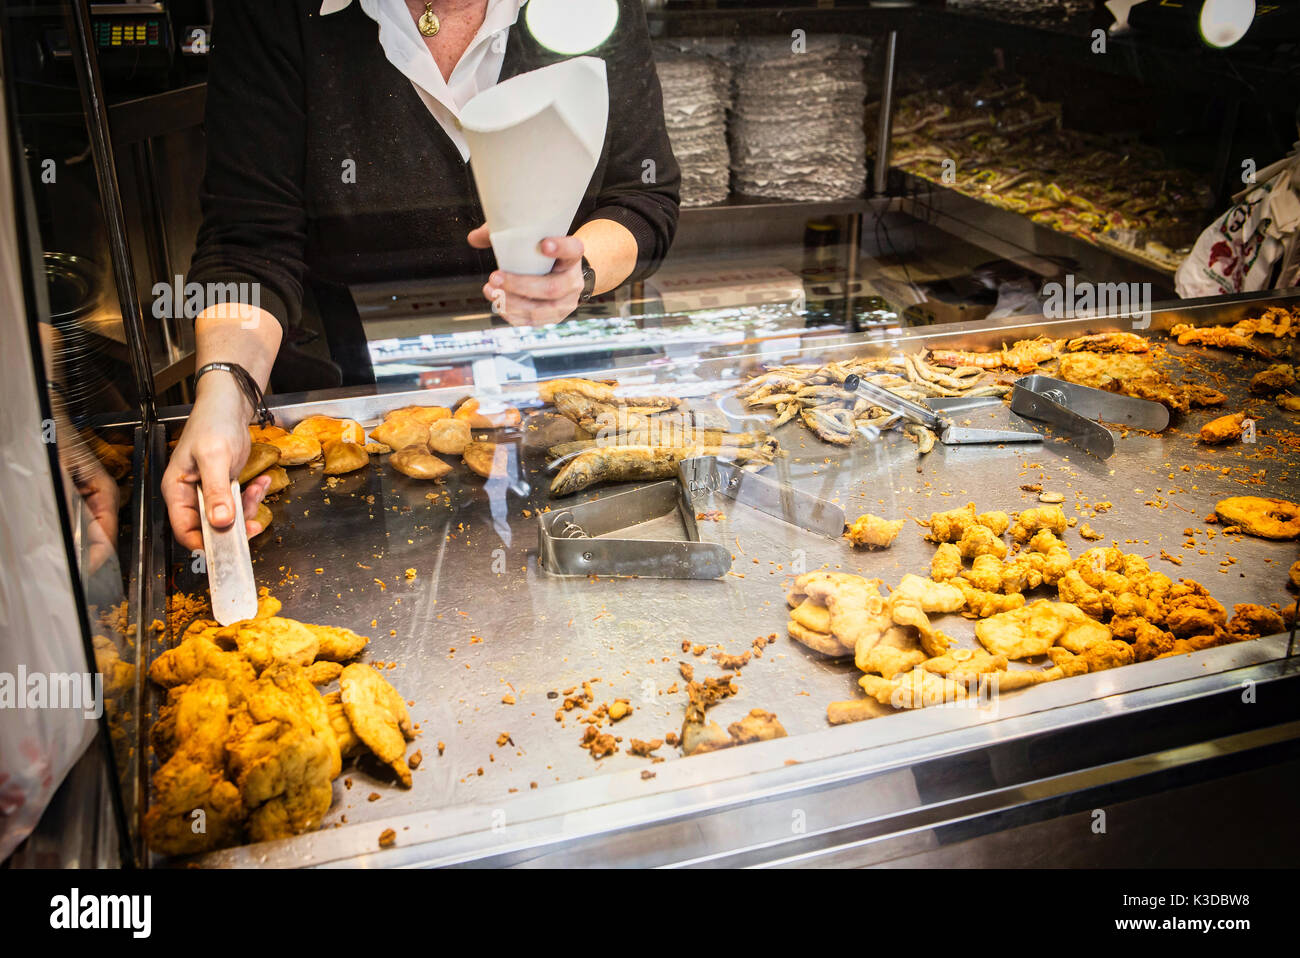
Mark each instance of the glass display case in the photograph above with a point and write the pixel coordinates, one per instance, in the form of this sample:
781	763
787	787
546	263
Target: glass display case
870	526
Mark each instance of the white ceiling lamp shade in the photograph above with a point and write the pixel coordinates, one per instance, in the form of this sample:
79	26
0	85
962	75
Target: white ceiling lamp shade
1224	22
571	27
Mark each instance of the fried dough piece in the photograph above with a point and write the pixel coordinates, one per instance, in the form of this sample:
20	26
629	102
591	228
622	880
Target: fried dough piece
263	516
855	710
1032	630
449	437
296	450
323	672
812	615
261	457
982	603
1224	429
273	641
342	457
945	564
349	744
337	644
328	429
488	459
378	716
279	480
979	540
468	412
963	664
1250	621
889	661
1260	516
417	462
400	433
873	531
266	434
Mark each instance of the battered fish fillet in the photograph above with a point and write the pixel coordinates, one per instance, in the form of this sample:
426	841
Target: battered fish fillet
283	773
874	532
267	642
349	744
198	657
962	664
1260	516
913	690
1224	429
195	808
285	694
855	606
323	673
337	644
378	716
889	661
1134	375
1035	628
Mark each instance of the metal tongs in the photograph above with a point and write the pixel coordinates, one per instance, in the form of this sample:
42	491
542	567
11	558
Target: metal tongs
577	541
1071	411
938	419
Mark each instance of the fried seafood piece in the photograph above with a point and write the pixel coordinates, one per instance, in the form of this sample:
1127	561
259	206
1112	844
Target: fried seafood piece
1035	628
888	660
927	595
985	573
198	657
945	564
337	644
855	710
855	606
832	425
1023	572
261	457
1056	560
1294	574
1224	429
191	788
349	744
1275	379
949	526
1188	609
1250	621
980	540
822	642
285	693
625	463
913	690
328	429
1149	641
1261	516
1030	521
996	522
1023	356
1134	375
933	641
323	672
758	726
1109	343
1220	337
962	664
873	531
284	778
378	716
1073	589
812	615
267	642
417	462
982	603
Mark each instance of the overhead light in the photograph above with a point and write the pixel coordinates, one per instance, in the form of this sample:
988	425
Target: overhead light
571	27
1224	22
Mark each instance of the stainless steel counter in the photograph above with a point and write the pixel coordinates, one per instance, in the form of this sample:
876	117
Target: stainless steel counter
478	620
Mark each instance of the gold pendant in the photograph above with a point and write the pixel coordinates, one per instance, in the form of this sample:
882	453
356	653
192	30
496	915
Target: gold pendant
429	24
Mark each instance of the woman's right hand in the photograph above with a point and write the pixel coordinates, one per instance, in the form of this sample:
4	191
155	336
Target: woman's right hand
213	448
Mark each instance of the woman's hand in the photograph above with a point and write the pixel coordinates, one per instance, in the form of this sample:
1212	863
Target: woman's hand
536	300
212	449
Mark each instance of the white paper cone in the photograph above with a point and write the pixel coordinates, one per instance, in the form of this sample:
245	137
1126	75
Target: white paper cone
534	142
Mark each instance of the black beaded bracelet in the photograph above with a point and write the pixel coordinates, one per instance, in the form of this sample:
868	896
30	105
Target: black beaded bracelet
247	385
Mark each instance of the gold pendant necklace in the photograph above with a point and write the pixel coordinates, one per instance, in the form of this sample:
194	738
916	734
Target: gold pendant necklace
429	23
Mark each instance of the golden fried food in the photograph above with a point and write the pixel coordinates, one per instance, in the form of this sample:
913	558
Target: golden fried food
1109	343
985	573
1056	559
949	526
945	564
1260	516
424	415
449	437
337	644
1030	521
328	429
1289	403
1250	621
1220	337
822	642
342	457
296	450
489	459
933	641
873	531
855	710
995	522
855	606
417	462
283	773
198	657
468	412
323	672
962	664
1224	429
1134	375
261	457
979	540
982	603
195	808
1275	379
812	615
266	434
267	642
378	716
913	690
1188	609
1295	574
263	516
349	744
279	480
888	661
400	433
927	595
1032	630
758	726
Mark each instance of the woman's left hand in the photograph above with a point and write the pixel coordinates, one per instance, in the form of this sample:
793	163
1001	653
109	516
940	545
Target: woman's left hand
536	300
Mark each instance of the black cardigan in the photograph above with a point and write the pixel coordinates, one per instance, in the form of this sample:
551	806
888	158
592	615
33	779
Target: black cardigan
293	95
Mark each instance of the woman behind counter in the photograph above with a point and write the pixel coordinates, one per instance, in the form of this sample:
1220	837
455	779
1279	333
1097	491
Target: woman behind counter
335	157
